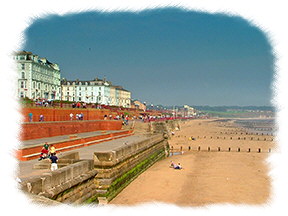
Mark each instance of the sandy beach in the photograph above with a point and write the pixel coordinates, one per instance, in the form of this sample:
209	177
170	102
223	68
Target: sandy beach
221	163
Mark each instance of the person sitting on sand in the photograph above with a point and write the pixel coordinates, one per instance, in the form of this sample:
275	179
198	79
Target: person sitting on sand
172	165
178	166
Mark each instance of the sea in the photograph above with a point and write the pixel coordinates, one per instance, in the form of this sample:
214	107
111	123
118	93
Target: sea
265	126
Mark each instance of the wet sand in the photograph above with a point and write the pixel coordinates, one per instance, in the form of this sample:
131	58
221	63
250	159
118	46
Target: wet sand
208	176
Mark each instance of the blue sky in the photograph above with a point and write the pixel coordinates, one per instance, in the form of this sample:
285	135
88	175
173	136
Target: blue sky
165	56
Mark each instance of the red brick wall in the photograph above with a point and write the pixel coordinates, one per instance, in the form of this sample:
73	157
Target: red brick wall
50	129
58	114
62	114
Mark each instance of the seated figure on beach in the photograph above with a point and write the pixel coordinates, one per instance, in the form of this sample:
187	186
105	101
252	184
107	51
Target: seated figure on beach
172	165
178	166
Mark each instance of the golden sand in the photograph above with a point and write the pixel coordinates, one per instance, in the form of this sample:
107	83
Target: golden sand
229	168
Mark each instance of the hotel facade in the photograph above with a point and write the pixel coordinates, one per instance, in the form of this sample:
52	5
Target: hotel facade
38	78
95	91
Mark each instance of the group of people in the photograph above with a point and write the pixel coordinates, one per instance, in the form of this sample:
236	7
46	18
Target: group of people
30	117
49	152
77	116
175	166
43	102
79	105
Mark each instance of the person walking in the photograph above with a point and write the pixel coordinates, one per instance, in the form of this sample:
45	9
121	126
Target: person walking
54	161
30	115
41	118
71	116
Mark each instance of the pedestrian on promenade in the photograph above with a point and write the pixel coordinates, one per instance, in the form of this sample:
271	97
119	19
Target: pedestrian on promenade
71	116
77	116
52	149
30	115
44	151
54	160
41	118
78	105
126	120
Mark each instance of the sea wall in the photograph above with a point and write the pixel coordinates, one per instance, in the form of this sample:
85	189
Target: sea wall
117	168
164	127
69	184
101	179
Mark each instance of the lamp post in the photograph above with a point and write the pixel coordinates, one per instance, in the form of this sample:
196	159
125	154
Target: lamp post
61	96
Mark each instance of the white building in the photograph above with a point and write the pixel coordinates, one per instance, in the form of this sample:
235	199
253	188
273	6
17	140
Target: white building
189	111
37	77
123	97
96	91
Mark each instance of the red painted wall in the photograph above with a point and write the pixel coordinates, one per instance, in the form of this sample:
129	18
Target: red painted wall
50	129
62	114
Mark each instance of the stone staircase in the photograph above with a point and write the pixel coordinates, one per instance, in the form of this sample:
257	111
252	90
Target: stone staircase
63	160
141	127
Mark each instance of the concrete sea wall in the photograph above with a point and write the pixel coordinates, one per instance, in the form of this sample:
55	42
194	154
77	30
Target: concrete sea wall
69	184
117	168
98	180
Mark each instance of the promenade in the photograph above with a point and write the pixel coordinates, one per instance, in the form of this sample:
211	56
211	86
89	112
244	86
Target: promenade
26	167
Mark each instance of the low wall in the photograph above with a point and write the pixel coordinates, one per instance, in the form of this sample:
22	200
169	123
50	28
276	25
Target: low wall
69	184
63	114
117	168
50	129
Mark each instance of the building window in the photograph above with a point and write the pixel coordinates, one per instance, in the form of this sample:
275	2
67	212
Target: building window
23	75
21	94
22	85
23	66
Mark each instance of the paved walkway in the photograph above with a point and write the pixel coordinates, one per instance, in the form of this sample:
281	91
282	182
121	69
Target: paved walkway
55	139
26	167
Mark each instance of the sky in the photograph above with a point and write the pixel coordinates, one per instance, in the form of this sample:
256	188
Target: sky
163	56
